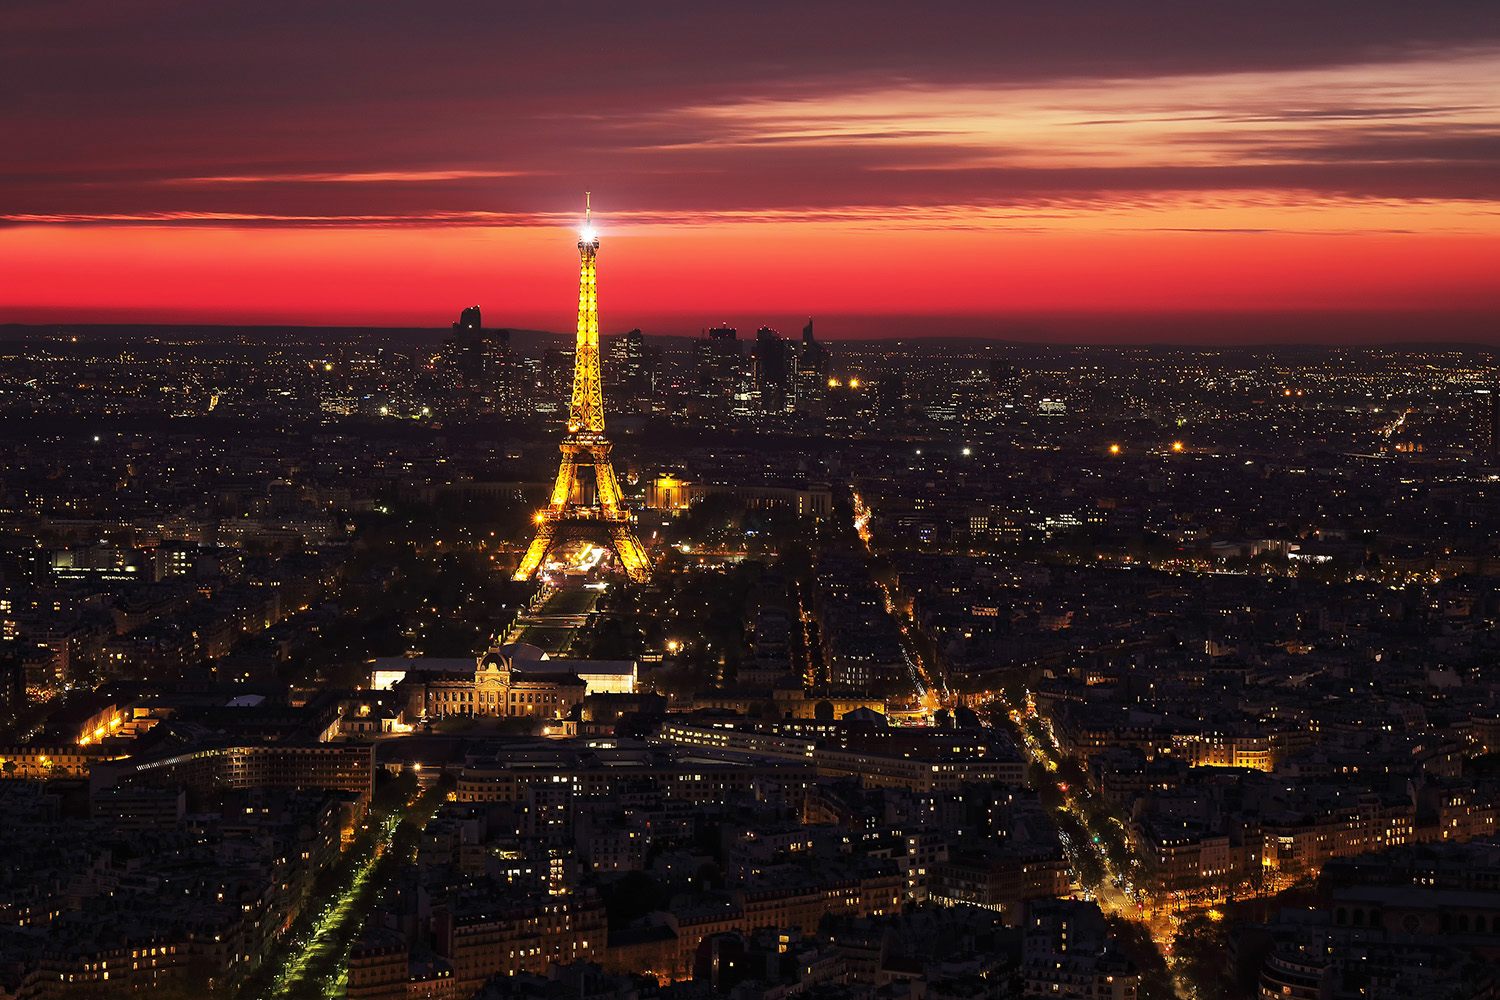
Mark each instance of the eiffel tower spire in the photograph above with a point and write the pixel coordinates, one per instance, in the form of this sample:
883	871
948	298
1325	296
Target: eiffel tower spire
567	516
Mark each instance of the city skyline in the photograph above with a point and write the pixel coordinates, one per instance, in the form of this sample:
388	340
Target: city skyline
340	662
1244	174
1013	514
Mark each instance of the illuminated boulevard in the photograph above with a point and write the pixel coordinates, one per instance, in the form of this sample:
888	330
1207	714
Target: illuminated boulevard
554	618
1114	891
314	961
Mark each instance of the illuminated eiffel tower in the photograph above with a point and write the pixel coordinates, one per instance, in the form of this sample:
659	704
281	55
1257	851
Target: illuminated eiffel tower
569	516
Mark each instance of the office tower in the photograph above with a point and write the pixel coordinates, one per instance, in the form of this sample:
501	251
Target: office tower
1002	380
480	361
1484	423
630	370
890	396
719	361
557	373
774	382
812	371
496	369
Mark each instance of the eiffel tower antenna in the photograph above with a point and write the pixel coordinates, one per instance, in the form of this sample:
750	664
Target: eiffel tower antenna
567	516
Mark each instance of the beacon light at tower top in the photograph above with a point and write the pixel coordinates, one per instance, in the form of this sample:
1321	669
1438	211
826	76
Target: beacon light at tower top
588	235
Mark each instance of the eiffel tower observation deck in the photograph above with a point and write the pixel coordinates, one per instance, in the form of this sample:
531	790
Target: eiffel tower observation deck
572	514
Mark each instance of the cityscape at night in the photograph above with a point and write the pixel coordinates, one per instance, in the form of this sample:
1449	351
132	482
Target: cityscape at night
844	502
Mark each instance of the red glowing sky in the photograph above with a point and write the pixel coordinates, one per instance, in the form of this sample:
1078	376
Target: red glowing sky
887	170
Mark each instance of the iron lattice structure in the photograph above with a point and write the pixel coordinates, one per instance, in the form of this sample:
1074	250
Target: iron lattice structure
567	517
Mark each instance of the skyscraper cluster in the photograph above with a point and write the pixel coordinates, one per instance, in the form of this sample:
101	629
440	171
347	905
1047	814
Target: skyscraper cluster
776	376
480	363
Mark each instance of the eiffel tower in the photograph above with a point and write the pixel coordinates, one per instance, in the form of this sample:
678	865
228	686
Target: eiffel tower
569	516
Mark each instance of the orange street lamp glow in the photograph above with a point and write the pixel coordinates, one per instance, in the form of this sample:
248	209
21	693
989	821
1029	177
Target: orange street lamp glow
854	383
1176	445
1114	449
833	383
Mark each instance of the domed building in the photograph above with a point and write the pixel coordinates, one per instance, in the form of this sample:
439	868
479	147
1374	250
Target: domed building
512	680
501	687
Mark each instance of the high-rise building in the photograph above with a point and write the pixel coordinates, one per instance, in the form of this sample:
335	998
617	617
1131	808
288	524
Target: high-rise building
557	375
631	370
460	360
496	369
719	361
12	681
812	371
481	361
774	372
1484	422
453	358
890	396
1002	379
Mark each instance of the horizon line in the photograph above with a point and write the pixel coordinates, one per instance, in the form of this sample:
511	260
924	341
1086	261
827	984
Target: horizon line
1042	340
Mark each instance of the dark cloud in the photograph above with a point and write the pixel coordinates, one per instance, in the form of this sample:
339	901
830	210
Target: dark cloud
115	107
1454	148
1355	114
827	193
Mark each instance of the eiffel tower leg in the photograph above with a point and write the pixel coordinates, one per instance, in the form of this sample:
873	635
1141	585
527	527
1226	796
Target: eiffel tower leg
632	554
562	488
609	486
534	554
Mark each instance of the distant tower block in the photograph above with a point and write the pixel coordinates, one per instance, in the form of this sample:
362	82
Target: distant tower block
570	515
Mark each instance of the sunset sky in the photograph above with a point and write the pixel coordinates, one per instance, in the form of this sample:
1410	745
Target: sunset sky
994	168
